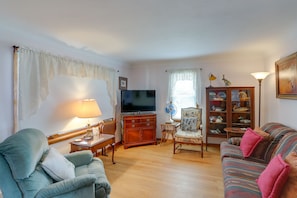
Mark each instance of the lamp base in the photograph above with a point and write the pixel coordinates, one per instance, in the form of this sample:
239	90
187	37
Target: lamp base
89	134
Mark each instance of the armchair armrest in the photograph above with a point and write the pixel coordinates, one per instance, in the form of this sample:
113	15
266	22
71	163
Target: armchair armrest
67	186
80	158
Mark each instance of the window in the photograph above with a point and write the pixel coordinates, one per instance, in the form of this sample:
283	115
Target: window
184	89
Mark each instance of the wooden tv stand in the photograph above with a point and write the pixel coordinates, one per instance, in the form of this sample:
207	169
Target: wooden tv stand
139	129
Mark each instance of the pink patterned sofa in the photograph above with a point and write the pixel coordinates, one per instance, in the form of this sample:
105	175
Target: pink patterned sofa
241	173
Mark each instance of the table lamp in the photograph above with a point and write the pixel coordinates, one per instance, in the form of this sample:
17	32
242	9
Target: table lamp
211	77
88	108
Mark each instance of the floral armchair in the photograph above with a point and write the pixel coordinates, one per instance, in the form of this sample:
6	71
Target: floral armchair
190	131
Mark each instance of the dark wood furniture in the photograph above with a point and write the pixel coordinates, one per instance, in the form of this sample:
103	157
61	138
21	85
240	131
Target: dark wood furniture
109	126
98	142
234	132
139	129
228	107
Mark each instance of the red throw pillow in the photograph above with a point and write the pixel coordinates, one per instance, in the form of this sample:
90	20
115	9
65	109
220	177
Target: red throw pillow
273	178
249	141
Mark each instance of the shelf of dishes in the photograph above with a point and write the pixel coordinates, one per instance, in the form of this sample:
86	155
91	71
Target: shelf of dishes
240	95
217	131
236	95
217	119
240	125
217	96
243	119
216	108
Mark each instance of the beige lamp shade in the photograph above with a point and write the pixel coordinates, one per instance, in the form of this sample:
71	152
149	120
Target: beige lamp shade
260	75
88	108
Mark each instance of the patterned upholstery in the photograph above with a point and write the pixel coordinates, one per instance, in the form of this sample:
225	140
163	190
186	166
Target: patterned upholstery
190	131
240	173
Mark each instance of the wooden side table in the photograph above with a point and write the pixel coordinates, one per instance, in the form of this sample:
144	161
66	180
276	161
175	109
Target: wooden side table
98	142
234	132
168	129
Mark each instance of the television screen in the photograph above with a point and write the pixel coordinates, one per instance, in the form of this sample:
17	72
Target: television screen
138	100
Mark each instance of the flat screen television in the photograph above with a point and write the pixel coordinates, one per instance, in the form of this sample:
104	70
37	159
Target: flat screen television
138	100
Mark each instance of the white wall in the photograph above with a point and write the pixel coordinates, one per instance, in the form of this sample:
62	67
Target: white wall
280	110
59	107
50	118
236	67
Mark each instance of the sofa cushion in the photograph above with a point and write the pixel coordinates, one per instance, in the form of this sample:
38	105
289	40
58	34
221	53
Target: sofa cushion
23	151
262	145
290	188
230	150
260	131
240	177
277	131
273	178
249	141
286	145
57	166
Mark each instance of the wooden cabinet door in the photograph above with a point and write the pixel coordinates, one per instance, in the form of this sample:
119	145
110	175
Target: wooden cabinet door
148	134
132	135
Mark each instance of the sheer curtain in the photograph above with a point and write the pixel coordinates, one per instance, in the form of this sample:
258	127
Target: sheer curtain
184	88
35	69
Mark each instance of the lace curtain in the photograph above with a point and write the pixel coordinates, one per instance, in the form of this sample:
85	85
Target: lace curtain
192	75
35	69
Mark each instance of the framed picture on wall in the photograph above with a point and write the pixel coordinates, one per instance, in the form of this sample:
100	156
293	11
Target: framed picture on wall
123	83
286	77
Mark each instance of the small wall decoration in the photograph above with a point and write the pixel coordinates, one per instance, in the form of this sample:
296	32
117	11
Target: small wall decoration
123	83
286	77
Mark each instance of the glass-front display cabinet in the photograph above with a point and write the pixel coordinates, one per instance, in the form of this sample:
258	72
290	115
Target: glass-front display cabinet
228	107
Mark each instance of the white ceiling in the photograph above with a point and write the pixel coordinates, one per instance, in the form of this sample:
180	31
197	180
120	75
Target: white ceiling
137	30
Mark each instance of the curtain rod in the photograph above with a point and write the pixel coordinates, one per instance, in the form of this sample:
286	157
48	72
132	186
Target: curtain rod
166	70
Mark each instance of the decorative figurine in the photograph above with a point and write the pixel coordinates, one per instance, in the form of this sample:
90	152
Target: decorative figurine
227	82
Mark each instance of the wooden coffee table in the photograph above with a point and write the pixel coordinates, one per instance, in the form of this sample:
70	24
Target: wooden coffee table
234	132
94	144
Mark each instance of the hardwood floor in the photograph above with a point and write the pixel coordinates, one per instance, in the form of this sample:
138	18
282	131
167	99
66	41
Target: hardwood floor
153	171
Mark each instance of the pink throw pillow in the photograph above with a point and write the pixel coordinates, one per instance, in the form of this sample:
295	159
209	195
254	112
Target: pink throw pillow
273	178
249	141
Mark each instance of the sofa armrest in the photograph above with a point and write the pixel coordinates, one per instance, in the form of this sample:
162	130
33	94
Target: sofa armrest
67	186
80	158
235	141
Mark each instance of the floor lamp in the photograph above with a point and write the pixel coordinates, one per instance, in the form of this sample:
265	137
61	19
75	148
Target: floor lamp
260	76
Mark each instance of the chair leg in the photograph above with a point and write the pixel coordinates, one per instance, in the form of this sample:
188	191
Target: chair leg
171	133
163	136
202	149
173	147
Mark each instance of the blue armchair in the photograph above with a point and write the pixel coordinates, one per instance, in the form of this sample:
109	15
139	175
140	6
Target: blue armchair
22	173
